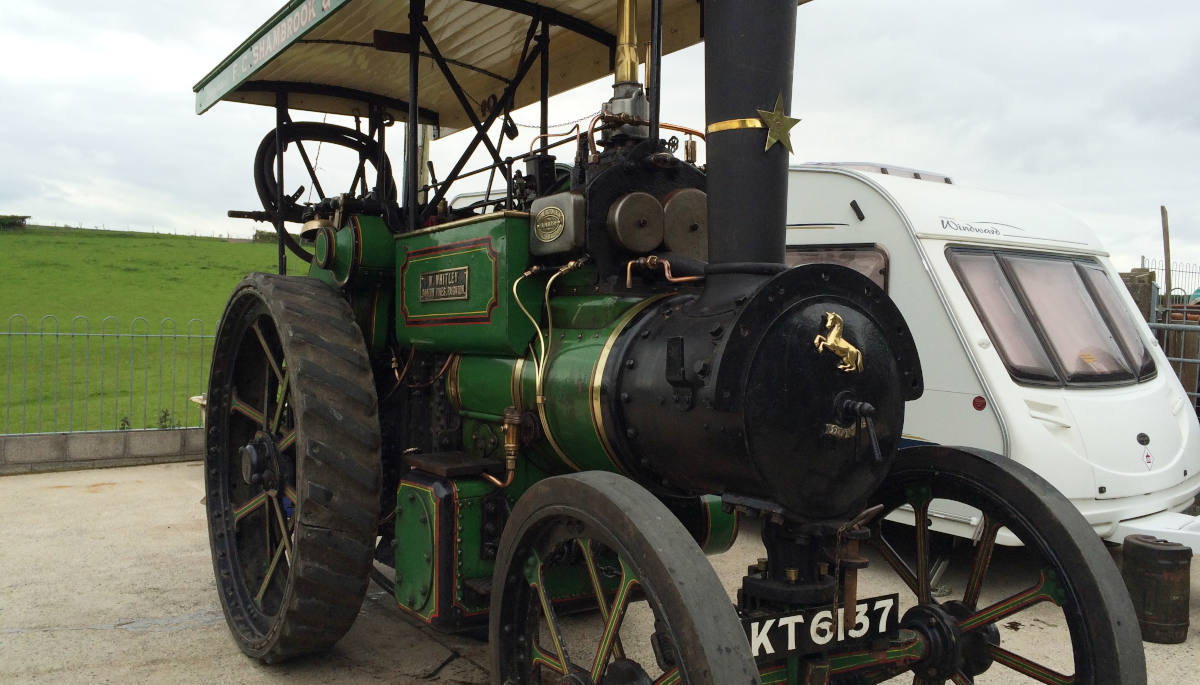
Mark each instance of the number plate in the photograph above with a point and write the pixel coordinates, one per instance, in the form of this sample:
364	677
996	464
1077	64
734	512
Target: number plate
820	629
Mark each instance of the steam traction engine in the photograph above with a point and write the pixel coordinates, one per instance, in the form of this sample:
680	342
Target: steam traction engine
532	414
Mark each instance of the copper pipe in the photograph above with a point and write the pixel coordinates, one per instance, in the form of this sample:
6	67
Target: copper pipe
547	136
677	279
653	262
682	129
592	134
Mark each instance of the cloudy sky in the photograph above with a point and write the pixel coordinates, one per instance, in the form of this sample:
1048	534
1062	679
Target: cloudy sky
1093	104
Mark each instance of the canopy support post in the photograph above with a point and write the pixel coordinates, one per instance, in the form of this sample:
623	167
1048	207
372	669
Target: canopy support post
281	119
654	87
544	38
416	27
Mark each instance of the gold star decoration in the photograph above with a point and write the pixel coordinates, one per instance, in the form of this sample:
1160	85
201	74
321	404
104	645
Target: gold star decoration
779	125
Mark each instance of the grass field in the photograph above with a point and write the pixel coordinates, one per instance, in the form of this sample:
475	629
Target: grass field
149	305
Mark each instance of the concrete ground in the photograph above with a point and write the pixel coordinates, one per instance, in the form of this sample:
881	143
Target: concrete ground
105	577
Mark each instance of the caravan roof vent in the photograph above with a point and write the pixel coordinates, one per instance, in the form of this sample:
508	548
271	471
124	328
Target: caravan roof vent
889	169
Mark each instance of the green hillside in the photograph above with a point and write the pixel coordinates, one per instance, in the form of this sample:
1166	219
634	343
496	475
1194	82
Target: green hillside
93	374
70	272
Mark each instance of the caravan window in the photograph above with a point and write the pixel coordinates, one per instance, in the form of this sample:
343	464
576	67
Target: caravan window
868	260
1054	319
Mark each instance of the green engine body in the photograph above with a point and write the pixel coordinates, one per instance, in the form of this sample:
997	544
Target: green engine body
448	291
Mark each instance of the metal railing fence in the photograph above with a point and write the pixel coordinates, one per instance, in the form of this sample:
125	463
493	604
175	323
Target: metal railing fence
1180	342
59	378
1185	277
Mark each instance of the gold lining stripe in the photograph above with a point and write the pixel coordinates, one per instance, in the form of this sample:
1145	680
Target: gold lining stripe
598	375
516	385
734	124
453	390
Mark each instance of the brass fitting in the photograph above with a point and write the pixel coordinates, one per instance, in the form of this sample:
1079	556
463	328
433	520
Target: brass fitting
512	443
627	49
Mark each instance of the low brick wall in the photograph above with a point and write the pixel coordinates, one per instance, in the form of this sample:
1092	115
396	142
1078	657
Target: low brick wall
101	449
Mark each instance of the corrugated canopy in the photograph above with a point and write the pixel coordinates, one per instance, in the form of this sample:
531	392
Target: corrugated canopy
322	52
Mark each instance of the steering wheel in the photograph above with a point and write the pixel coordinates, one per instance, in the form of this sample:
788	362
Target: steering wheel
300	132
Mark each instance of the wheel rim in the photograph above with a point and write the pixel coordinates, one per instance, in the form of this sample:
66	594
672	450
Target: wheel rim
581	649
258	470
598	584
962	630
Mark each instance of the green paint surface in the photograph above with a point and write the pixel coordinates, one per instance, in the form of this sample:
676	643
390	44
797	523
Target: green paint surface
475	316
417	517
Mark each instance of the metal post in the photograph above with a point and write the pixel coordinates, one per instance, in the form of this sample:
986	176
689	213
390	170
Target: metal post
654	87
545	94
1167	254
416	22
280	122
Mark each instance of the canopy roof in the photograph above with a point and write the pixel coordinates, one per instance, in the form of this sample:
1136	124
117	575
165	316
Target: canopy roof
322	53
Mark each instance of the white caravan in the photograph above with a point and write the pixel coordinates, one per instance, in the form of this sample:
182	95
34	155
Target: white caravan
1030	345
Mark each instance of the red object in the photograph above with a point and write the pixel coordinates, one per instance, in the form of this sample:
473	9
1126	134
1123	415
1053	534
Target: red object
979	403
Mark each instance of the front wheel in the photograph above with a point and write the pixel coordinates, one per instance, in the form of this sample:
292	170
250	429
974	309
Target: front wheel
598	540
1066	577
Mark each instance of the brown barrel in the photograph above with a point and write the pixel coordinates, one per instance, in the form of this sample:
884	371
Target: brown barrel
1157	573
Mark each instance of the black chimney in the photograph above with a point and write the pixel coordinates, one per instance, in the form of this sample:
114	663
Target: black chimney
748	48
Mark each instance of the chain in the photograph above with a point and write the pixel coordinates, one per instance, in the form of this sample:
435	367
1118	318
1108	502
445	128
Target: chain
565	123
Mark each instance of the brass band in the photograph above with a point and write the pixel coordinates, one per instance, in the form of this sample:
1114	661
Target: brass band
733	124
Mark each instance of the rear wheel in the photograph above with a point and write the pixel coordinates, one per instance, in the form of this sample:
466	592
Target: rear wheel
292	466
598	540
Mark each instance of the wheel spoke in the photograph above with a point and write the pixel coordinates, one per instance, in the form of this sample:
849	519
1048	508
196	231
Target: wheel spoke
287	441
1026	667
612	622
1046	590
237	405
983	558
538	583
893	559
262	589
262	340
921	525
960	679
283	393
594	575
284	531
248	508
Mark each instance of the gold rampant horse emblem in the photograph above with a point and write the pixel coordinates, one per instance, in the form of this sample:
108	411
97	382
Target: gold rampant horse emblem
833	341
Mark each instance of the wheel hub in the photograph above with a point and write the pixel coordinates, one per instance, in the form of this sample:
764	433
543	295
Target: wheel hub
625	672
577	676
975	645
260	461
940	630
